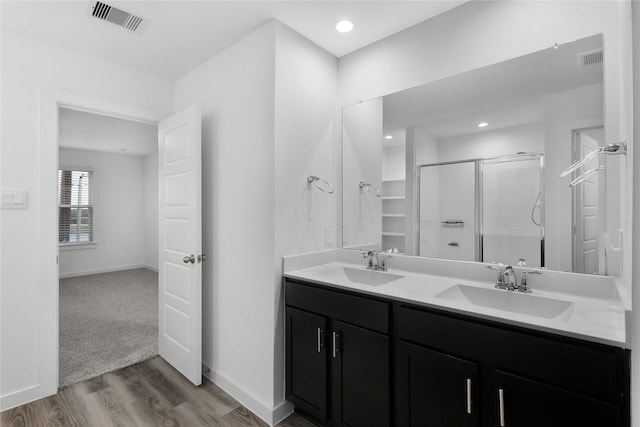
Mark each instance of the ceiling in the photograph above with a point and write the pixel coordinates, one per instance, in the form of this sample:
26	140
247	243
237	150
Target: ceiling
506	94
181	35
97	132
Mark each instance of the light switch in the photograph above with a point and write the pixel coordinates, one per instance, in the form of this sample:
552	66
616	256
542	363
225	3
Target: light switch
14	199
345	234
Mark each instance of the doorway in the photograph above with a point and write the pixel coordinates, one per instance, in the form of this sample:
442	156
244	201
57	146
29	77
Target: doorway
108	243
48	251
587	201
179	147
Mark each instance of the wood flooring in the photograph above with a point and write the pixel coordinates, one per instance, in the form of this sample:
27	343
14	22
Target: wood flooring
149	393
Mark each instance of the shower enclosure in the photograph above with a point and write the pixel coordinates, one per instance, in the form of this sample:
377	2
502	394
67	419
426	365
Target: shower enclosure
483	209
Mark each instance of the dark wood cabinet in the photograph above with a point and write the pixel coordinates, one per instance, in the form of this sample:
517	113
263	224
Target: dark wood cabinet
357	360
435	389
307	362
338	357
521	402
360	377
521	378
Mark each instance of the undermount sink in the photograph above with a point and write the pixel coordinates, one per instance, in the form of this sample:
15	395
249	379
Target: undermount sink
531	305
369	277
361	276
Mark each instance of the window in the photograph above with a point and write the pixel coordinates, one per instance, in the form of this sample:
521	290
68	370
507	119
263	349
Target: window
75	205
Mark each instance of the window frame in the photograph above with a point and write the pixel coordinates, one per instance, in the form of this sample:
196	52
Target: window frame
85	244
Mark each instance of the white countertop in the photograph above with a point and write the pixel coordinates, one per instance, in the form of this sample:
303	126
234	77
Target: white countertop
597	316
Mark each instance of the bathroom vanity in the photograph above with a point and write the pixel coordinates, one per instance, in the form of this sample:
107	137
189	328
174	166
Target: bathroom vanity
405	348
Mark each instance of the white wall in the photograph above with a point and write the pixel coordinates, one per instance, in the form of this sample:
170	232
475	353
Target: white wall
393	163
362	151
119	212
472	36
151	211
263	134
494	143
26	66
306	126
238	200
635	156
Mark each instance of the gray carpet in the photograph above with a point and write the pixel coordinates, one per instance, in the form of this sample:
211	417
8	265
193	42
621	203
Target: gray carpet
107	321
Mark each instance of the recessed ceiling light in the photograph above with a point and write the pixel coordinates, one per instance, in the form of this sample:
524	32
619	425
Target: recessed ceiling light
344	26
483	124
388	137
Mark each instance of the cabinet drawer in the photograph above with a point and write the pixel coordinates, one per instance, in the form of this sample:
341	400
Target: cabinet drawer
364	312
526	403
585	368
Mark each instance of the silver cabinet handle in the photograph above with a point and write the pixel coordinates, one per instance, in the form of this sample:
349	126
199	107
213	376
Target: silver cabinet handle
189	259
320	331
334	344
501	403
468	395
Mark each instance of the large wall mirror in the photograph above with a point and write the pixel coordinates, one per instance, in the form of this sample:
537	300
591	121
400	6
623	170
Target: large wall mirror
468	167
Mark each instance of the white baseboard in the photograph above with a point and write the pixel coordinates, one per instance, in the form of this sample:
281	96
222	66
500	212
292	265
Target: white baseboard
105	270
271	416
151	267
21	397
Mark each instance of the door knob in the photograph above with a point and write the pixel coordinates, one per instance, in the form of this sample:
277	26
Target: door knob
189	259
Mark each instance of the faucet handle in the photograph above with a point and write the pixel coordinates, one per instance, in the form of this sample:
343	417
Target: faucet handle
509	281
524	283
501	269
382	262
370	256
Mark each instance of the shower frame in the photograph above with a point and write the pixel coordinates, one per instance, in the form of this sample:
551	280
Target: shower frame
478	202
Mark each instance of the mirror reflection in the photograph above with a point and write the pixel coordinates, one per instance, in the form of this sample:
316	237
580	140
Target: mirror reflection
468	167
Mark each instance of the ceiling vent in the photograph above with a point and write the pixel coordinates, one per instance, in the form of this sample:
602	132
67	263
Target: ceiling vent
591	57
119	17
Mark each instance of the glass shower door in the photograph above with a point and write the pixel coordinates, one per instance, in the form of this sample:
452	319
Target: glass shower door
512	214
448	211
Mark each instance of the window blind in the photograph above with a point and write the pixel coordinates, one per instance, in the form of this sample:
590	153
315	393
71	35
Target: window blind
75	206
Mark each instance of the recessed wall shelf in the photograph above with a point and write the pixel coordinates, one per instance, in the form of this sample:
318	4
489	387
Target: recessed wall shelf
395	214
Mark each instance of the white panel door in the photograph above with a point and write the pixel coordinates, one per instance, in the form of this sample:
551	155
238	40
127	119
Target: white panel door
180	241
586	211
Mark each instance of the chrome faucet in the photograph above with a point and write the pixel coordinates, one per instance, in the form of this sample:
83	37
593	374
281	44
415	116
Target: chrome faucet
373	261
510	281
506	277
524	284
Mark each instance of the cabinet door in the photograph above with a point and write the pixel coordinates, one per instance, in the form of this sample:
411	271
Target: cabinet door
435	389
307	362
360	377
524	403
